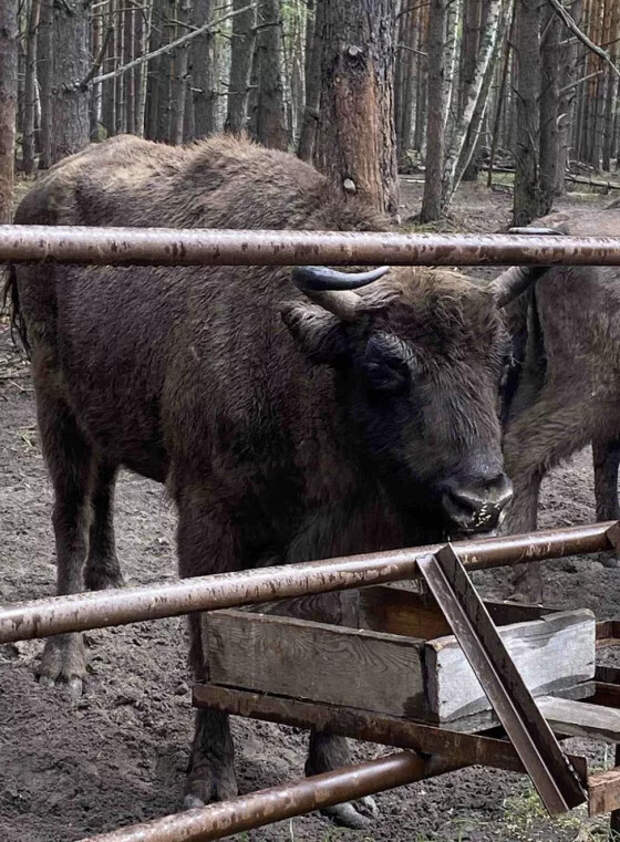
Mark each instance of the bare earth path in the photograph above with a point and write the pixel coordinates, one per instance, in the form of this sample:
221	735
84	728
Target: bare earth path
118	755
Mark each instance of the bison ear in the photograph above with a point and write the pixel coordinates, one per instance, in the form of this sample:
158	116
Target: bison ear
320	335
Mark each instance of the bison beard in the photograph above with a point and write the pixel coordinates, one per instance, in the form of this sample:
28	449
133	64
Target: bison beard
287	425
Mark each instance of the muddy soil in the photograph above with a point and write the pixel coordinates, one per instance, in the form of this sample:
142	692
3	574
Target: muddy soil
118	755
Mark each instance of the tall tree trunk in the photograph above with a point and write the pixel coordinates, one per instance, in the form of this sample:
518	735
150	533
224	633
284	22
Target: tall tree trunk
501	96
527	183
30	88
179	83
567	106
271	126
143	26
45	51
549	104
203	69
405	84
8	104
314	46
435	138
242	50
356	145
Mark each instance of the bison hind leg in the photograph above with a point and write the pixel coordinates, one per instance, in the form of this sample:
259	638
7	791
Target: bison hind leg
102	567
606	459
327	752
70	461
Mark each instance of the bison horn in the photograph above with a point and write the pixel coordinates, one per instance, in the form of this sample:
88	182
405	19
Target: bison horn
514	281
333	290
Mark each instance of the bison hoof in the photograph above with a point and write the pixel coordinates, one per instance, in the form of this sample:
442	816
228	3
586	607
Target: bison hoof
63	662
201	791
354	814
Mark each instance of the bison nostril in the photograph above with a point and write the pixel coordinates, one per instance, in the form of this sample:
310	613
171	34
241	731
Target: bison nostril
477	507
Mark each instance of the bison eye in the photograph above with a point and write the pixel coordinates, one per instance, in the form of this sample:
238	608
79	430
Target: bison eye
386	378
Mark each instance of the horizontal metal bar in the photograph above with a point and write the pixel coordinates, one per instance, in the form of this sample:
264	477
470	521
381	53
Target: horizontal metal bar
77	612
185	247
280	802
467	749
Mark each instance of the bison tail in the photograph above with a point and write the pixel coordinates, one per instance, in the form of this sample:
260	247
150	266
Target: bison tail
10	303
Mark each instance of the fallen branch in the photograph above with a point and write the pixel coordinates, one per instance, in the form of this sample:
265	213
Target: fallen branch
580	179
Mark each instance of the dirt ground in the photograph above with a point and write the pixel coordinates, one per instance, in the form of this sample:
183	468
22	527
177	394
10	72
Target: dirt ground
118	755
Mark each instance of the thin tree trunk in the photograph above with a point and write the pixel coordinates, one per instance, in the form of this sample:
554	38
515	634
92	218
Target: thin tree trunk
8	104
143	21
271	126
356	144
405	85
203	62
501	97
567	107
432	199
242	50
45	51
30	87
474	100
549	104
449	94
527	183
314	44
179	85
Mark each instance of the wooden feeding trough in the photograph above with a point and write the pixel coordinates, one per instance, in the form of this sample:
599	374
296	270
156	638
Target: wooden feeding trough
390	650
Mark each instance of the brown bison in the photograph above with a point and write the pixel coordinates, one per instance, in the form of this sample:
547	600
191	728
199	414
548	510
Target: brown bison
566	388
287	425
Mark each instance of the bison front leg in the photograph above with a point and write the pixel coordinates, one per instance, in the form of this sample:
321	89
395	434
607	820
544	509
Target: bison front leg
69	459
606	459
206	544
326	752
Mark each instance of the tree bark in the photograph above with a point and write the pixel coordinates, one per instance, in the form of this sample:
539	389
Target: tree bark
8	104
179	82
549	104
527	184
435	138
242	50
567	107
314	44
30	89
356	144
405	84
45	51
271	126
203	69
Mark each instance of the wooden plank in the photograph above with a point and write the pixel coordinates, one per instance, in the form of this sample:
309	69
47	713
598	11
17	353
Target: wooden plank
397	610
554	652
581	719
343	666
337	608
603	792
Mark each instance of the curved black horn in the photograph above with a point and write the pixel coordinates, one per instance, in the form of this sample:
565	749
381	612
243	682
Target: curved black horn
322	279
514	281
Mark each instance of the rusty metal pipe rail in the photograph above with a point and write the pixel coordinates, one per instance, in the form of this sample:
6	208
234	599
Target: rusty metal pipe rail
77	612
190	247
282	802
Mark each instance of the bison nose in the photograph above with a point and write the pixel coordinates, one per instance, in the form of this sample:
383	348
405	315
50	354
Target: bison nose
476	507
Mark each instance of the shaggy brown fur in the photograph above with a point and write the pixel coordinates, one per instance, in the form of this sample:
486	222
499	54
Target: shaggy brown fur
283	433
569	388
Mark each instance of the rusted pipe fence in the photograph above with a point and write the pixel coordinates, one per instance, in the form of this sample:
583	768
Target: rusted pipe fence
77	612
191	247
282	802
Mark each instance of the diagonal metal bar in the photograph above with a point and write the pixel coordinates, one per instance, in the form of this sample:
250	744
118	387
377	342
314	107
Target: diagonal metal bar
550	770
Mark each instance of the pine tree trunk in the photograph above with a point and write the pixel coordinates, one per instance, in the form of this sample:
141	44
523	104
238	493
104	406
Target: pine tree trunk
30	89
203	64
405	85
527	184
71	64
242	50
356	144
432	199
45	55
271	126
143	25
307	135
549	104
8	105
567	106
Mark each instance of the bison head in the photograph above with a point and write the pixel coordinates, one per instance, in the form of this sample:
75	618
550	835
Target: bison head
418	359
